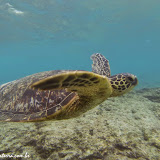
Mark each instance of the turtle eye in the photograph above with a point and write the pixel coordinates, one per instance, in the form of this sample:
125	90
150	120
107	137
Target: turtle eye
130	79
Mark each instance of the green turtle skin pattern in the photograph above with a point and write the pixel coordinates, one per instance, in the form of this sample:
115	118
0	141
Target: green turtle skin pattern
62	94
100	65
17	100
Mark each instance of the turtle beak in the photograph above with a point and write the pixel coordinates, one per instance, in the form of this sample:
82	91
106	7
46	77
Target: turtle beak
135	82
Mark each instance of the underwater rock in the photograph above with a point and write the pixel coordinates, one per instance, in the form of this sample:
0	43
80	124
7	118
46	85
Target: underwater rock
126	127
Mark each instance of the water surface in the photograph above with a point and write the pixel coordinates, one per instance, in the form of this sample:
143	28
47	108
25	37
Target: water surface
45	35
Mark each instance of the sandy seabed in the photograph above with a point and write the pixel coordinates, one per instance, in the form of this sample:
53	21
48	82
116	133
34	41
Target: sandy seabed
121	128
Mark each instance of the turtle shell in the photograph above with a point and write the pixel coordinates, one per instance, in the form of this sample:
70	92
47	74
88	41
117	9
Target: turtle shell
52	95
20	103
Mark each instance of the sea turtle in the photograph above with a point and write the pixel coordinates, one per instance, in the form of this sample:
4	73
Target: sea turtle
62	94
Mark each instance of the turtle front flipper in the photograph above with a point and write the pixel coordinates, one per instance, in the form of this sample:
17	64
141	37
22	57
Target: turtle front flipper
91	88
100	65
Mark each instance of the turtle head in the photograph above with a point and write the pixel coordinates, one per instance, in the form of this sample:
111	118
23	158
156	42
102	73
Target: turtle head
122	83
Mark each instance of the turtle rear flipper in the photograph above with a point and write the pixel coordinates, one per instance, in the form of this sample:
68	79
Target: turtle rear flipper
86	84
100	65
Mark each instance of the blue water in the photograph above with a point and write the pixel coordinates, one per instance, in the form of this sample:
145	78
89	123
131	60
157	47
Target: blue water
41	35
